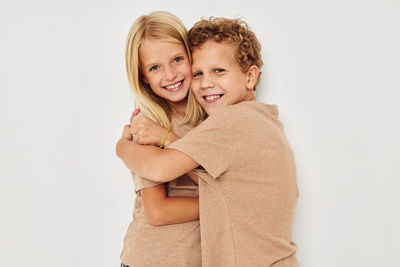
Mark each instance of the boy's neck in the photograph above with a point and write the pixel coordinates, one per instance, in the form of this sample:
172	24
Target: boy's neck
251	96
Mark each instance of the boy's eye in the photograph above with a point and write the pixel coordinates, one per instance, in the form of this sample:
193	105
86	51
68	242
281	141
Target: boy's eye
178	59
219	70
197	74
153	68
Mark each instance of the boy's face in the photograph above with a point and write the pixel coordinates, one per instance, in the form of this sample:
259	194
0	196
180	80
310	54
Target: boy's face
217	77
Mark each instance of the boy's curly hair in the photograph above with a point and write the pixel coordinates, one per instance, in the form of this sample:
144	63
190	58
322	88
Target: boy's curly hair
233	31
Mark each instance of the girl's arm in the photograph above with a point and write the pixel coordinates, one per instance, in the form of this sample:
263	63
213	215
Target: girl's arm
193	177
162	210
159	208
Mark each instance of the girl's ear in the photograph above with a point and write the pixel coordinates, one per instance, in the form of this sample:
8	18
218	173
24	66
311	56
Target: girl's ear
145	80
251	77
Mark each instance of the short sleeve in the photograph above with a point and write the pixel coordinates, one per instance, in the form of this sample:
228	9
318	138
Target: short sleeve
142	183
210	144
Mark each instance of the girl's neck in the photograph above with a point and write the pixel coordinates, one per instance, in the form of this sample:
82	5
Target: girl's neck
179	107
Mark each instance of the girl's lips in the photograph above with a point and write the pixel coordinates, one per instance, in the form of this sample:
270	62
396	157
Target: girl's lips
174	87
212	98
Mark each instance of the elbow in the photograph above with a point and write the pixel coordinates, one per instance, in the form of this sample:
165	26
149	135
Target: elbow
156	217
118	148
120	152
157	174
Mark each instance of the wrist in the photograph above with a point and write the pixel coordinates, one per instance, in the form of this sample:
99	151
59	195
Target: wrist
162	145
171	138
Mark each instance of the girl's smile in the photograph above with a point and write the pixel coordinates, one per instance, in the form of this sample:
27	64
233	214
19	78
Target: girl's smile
175	86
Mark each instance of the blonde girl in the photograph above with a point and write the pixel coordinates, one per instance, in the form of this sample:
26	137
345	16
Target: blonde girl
165	228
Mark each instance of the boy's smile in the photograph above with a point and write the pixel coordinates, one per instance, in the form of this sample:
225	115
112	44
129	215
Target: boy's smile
217	77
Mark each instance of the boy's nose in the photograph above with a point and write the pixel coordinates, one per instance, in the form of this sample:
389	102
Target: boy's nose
207	83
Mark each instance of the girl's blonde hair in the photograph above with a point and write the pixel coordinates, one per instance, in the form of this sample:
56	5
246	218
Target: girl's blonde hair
163	26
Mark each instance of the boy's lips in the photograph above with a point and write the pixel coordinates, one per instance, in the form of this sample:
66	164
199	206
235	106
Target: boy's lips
174	86
212	98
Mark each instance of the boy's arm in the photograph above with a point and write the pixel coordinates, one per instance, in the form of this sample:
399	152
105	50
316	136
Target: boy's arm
162	210
147	132
172	138
160	165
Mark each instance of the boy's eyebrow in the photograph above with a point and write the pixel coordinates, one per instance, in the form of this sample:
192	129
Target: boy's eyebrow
213	66
194	68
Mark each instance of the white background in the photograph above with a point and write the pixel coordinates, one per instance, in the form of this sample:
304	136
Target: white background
331	66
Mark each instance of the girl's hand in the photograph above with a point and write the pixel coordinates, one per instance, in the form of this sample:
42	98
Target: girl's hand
146	132
134	114
126	133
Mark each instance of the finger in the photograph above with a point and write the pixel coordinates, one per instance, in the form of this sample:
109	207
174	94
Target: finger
135	112
126	132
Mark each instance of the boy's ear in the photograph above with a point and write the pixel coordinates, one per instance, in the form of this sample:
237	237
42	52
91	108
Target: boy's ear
252	76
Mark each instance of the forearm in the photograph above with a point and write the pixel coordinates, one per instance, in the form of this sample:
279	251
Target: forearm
177	210
193	177
172	138
160	209
160	165
138	158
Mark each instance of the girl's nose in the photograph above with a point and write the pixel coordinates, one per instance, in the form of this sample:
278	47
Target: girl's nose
170	74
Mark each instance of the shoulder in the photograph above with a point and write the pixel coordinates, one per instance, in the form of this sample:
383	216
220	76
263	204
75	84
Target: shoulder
246	111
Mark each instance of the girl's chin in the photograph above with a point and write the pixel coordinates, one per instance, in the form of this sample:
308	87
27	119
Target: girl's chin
174	96
177	99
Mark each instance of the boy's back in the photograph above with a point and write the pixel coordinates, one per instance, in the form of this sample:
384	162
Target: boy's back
248	197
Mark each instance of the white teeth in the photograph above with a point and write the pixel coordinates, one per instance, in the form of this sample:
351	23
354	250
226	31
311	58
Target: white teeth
170	87
212	97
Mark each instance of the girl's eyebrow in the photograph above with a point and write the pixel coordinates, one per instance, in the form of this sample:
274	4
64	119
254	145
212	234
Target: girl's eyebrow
150	65
178	54
174	56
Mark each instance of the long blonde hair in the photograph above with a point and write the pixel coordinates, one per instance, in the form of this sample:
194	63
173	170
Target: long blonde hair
161	25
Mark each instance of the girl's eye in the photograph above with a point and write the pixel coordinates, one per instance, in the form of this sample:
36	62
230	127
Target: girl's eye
178	59
197	74
153	68
219	70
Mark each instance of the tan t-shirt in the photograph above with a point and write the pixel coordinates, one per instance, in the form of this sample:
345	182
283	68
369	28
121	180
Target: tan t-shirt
249	193
169	245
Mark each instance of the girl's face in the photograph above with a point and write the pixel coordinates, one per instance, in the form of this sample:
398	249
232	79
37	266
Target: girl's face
166	68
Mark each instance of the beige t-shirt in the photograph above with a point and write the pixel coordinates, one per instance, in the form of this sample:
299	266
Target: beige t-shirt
249	193
169	245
